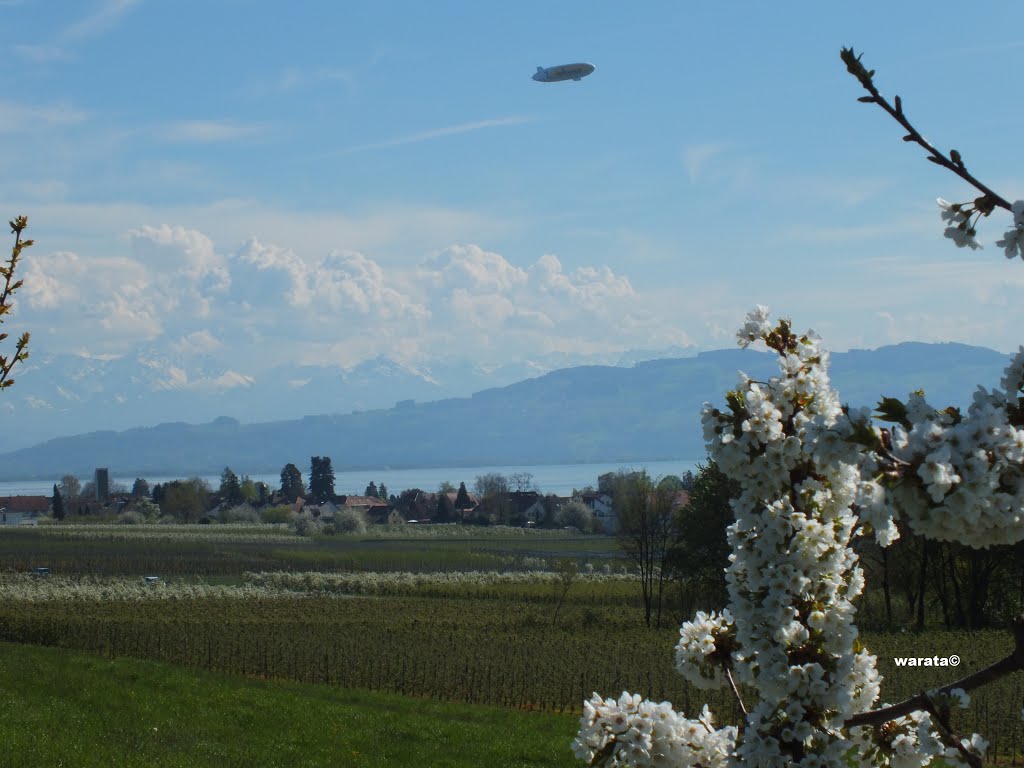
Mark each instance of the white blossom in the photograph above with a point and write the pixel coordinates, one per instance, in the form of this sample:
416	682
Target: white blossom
962	237
809	477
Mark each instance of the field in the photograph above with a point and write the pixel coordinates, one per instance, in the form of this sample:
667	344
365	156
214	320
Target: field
82	711
445	633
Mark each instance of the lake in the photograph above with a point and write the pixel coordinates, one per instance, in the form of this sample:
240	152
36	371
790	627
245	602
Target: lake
559	479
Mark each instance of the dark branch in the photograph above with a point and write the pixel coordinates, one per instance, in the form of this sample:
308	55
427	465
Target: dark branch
954	162
1012	663
941	720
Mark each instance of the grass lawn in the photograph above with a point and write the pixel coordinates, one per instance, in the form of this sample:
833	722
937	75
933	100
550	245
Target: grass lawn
76	710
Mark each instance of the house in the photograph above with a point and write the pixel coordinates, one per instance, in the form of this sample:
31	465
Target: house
323	512
414	504
88	505
600	505
23	510
513	508
384	515
679	500
364	503
464	509
378	511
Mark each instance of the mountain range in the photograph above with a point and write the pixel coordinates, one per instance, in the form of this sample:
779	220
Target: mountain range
637	411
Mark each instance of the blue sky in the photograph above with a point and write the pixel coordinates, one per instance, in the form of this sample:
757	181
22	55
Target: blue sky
324	182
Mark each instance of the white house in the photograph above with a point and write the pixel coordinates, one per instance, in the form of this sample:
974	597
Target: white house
23	510
600	505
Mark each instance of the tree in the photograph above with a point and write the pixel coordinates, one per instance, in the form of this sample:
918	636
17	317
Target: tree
158	493
250	491
185	500
70	487
566	571
813	475
445	509
58	503
140	488
146	508
262	493
349	520
522	481
671	483
18	226
382	492
575	514
321	479
230	487
490	485
688	479
702	554
292	486
462	500
648	533
445	487
371	490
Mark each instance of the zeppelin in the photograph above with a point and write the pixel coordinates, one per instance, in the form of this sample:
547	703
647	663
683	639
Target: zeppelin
562	72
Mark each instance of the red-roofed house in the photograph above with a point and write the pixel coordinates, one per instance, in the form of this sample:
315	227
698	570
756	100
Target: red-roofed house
23	510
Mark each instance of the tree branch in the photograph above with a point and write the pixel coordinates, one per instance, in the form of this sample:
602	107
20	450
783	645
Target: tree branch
735	691
941	720
953	162
921	702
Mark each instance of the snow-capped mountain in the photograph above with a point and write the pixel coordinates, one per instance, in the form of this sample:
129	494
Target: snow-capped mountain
63	394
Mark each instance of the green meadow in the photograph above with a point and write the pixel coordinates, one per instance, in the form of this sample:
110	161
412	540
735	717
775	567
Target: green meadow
79	710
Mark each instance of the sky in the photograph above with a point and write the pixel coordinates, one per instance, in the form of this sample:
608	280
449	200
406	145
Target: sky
321	183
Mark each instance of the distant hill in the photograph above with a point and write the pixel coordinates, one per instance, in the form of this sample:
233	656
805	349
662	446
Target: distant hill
64	394
593	413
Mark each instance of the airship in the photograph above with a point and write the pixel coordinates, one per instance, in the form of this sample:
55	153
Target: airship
562	72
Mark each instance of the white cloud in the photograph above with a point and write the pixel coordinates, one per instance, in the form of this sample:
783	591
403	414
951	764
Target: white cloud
437	133
586	285
177	378
697	156
41	53
18	118
472	268
205	131
104	16
185	270
296	78
197	343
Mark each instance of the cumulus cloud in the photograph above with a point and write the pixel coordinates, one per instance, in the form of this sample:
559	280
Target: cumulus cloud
261	304
509	310
268	272
585	284
471	268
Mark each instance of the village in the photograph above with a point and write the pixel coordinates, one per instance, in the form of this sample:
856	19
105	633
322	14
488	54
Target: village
243	501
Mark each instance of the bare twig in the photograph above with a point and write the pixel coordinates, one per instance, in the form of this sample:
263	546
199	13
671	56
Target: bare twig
735	691
7	273
954	162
